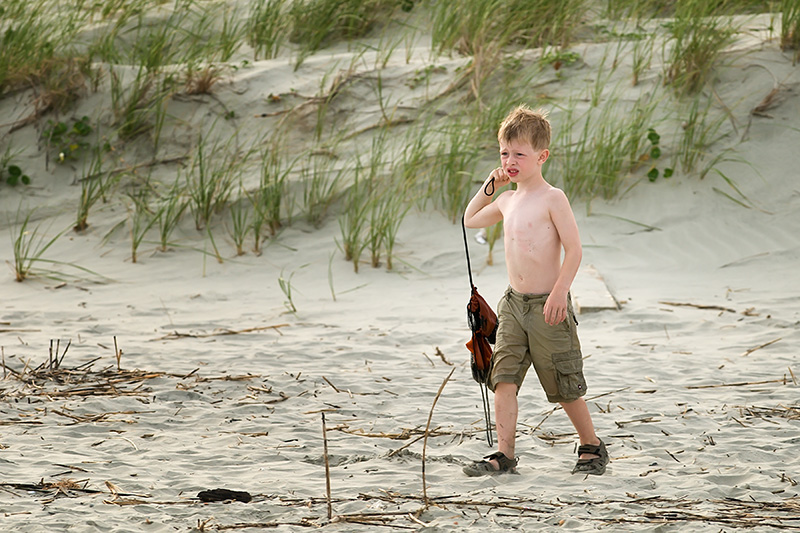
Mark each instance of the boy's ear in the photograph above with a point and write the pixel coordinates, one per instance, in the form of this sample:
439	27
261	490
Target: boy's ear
543	156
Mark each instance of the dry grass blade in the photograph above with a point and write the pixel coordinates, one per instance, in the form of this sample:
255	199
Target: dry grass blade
218	332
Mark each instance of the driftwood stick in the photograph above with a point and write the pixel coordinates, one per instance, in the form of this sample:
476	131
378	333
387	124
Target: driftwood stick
425	440
327	467
117	353
751	350
698	306
739	384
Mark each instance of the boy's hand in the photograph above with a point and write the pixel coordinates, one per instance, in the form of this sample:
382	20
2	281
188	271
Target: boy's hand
555	309
500	179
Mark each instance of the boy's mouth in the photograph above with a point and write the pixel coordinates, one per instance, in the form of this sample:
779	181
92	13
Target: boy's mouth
511	172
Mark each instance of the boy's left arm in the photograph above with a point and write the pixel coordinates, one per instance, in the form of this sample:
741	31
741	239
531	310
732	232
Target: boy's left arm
555	308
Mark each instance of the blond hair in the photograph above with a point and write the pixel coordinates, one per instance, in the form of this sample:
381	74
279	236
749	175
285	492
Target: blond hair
523	124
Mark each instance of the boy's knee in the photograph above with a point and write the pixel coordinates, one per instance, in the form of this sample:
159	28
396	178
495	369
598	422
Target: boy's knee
505	388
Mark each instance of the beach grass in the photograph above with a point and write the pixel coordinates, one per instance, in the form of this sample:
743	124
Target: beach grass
271	200
790	27
169	212
596	151
353	221
700	129
95	184
212	176
29	245
240	219
268	24
699	32
450	184
145	52
322	184
140	218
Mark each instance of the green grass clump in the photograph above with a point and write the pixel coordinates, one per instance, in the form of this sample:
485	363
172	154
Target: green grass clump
593	153
700	31
95	184
270	200
315	23
268	24
450	184
29	246
321	187
790	26
699	130
168	213
213	173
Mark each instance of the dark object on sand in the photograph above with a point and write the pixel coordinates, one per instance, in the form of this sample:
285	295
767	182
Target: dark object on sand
482	321
221	495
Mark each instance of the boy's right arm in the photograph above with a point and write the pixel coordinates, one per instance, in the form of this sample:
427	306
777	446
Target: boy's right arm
481	212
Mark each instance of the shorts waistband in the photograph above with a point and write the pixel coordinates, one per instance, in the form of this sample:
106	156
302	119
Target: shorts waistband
534	298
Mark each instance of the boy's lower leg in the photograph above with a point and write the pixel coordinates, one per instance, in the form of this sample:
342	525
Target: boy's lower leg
578	413
505	418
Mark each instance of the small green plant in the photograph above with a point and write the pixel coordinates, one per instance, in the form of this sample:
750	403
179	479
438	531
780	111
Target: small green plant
68	142
653	154
14	176
286	287
558	58
10	173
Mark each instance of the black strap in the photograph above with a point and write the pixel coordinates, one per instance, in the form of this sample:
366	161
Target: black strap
466	249
487	412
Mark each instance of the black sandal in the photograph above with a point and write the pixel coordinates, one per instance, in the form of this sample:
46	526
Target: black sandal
485	468
595	465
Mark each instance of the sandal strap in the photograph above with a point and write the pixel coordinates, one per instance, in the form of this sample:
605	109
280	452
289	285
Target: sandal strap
599	449
503	461
588	448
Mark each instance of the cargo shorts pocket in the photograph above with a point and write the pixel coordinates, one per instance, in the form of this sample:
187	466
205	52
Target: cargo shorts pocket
569	374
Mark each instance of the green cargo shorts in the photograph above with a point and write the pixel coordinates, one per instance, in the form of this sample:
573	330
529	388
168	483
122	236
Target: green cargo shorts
525	339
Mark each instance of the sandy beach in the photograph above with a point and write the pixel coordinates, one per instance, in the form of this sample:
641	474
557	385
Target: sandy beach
185	373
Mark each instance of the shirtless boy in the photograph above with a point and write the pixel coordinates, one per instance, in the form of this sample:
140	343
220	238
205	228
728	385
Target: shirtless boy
537	325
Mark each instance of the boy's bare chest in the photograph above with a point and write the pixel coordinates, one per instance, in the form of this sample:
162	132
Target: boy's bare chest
528	221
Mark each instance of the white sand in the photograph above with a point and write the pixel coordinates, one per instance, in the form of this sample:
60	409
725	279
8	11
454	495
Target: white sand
688	439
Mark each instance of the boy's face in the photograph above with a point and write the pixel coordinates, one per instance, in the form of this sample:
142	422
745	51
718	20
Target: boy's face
520	160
